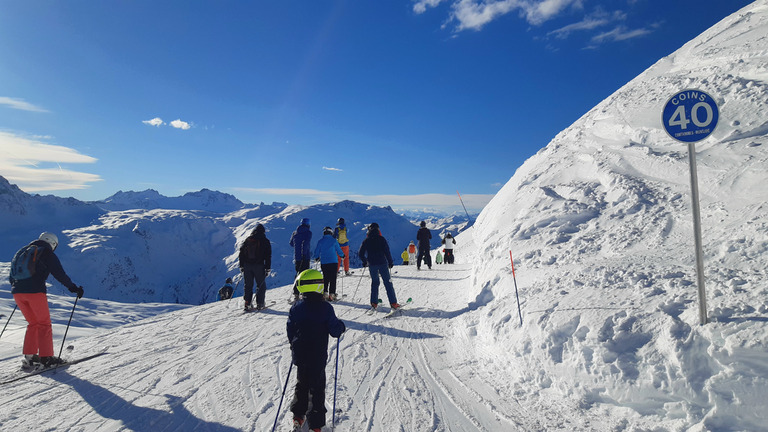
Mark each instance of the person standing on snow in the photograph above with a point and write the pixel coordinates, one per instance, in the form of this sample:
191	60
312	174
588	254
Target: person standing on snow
423	236
255	264
328	252
438	258
300	240
374	252
310	321
449	241
411	252
225	292
405	256
29	269
340	234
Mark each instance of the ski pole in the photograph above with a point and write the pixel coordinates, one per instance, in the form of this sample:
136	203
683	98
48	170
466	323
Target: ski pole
358	282
9	320
67	330
516	294
335	381
280	405
235	290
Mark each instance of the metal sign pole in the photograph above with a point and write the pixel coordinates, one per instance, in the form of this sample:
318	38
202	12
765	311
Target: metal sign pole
697	234
689	116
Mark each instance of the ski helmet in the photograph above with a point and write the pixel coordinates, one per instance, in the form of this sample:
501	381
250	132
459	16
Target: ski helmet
423	224
229	280
310	281
374	227
50	238
340	222
259	229
327	230
305	221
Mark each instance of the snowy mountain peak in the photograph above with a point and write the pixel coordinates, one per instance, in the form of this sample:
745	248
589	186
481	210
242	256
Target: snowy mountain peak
205	199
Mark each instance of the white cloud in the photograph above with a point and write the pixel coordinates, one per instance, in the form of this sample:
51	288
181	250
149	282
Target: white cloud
178	124
35	166
474	14
157	122
591	22
620	33
332	169
422	5
20	104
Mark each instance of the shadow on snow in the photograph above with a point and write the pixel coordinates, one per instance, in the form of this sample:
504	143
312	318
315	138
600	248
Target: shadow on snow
111	406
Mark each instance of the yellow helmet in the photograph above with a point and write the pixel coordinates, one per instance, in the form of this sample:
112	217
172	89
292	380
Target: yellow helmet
310	281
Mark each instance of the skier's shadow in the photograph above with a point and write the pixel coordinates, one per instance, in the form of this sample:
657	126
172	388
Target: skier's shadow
389	331
111	406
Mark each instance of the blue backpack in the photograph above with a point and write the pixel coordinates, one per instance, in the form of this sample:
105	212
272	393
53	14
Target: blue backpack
24	263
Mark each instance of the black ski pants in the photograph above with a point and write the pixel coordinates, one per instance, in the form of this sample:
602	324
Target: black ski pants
254	273
310	384
329	277
424	253
300	266
449	256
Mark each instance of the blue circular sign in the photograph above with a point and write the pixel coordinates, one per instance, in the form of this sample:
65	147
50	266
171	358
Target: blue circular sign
690	115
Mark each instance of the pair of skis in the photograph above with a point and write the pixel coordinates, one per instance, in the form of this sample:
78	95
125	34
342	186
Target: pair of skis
42	370
256	309
392	312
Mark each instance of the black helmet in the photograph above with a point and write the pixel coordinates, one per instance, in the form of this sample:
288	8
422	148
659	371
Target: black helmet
341	221
328	230
259	229
423	224
229	280
374	227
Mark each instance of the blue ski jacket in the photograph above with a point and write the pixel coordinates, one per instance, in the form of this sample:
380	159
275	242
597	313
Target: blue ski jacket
328	250
310	321
300	243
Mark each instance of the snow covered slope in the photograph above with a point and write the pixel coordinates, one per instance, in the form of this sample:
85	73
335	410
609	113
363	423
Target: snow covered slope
600	225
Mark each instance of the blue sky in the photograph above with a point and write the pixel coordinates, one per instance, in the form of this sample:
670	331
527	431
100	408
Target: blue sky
388	102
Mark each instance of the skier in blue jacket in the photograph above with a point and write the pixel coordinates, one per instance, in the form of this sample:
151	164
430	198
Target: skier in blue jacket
328	252
300	240
310	321
374	252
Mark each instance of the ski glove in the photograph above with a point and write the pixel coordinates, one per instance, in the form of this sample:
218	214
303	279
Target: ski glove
77	290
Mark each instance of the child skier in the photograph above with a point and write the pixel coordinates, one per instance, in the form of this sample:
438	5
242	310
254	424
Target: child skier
310	321
438	258
226	291
405	256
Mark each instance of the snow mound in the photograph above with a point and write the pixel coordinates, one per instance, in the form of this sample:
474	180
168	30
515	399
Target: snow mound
600	225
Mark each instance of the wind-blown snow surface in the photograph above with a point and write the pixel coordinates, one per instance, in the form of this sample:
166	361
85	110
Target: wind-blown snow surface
599	224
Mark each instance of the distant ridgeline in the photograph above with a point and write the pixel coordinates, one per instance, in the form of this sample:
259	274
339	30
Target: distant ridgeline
145	247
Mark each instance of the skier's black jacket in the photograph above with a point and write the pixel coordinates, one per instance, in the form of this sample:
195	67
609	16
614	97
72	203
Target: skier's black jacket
47	264
256	249
424	236
310	321
375	250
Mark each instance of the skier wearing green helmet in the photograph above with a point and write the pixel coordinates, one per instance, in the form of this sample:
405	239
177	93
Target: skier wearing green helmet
310	321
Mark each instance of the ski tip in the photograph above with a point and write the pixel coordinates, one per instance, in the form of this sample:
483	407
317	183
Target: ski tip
409	300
